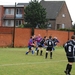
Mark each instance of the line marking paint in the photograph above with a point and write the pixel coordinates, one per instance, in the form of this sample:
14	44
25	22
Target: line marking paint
31	63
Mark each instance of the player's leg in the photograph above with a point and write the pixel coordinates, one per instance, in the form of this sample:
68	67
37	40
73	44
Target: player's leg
32	50
68	69
69	66
51	52
41	51
28	50
46	55
37	49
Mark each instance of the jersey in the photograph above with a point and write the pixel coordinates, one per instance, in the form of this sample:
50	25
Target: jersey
49	43
42	41
30	43
38	39
70	48
55	41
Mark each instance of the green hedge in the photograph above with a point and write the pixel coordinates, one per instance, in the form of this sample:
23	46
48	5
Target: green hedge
73	30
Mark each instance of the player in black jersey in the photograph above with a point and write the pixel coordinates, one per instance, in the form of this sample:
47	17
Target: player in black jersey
49	43
69	47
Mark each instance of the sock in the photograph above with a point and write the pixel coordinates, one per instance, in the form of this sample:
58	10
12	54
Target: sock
41	52
46	55
32	51
27	53
36	49
37	52
68	68
50	54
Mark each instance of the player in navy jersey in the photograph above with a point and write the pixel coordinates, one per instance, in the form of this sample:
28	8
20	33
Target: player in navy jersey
69	47
49	43
56	41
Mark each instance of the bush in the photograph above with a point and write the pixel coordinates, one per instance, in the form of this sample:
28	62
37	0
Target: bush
21	26
73	30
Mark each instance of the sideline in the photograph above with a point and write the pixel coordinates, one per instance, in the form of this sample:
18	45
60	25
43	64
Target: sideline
31	63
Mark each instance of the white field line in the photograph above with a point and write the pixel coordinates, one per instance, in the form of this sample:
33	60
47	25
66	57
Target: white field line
31	63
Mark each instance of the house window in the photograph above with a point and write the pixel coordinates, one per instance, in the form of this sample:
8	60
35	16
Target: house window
6	11
49	25
63	15
18	11
63	26
9	23
58	26
18	22
12	11
9	11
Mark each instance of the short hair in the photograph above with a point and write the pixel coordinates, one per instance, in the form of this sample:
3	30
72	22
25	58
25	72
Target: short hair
31	37
50	37
44	36
73	37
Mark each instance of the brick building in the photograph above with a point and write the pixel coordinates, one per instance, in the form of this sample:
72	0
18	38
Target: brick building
57	14
8	15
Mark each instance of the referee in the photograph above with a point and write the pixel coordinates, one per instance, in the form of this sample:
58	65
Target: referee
69	47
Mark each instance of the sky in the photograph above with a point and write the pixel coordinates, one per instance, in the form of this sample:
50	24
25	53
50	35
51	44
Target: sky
70	5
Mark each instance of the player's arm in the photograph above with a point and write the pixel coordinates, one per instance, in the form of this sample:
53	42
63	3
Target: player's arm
65	47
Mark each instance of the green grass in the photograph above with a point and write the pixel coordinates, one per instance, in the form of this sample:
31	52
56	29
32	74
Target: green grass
13	61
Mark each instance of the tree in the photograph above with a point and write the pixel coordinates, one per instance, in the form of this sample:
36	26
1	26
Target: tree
35	14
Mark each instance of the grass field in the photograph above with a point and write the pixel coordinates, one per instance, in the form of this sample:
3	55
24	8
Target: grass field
13	61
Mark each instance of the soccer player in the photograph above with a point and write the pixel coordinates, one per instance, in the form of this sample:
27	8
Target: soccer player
31	45
41	45
35	41
56	41
69	47
38	39
49	43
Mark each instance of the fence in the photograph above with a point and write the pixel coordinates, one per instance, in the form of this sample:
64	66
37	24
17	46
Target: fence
22	36
62	36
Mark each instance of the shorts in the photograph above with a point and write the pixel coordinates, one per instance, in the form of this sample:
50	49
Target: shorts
49	48
40	46
30	47
71	59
